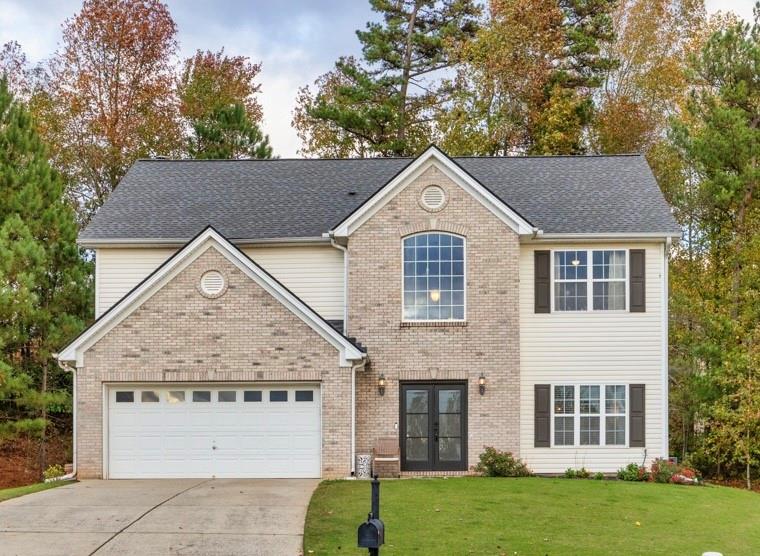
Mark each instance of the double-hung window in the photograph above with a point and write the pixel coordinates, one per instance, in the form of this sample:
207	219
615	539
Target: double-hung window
589	414
606	282
434	277
609	280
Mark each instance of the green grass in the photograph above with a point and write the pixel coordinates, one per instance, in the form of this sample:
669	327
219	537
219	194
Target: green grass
474	515
8	493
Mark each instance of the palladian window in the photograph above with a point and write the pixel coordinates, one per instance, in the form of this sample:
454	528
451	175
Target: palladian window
434	277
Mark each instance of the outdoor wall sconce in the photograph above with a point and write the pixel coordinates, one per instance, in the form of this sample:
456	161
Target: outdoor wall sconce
381	385
482	384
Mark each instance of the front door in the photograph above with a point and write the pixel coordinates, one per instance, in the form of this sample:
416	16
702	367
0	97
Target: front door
434	427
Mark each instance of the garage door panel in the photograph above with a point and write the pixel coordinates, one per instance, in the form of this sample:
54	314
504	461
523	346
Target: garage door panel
248	435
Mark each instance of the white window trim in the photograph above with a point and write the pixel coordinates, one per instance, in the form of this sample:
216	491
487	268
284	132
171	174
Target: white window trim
464	276
576	415
590	281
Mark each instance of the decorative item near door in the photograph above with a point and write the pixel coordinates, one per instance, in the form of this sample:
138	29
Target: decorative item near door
434	426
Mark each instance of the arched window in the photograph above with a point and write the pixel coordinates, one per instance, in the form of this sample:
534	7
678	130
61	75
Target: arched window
434	277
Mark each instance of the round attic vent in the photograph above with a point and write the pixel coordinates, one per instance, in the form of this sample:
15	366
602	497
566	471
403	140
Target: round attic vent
433	197
212	283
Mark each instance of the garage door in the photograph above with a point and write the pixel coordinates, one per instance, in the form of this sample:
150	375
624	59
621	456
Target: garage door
213	431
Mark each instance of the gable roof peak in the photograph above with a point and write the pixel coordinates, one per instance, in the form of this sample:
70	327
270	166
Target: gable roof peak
193	249
455	172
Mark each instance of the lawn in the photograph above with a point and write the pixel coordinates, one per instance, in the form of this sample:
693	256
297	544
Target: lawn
8	493
474	515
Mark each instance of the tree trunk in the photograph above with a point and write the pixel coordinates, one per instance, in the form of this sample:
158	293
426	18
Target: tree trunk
407	70
749	480
43	439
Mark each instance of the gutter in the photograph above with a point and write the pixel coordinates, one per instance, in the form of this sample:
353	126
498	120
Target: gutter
178	242
69	369
540	235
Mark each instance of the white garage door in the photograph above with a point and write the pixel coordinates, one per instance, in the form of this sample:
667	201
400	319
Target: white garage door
213	431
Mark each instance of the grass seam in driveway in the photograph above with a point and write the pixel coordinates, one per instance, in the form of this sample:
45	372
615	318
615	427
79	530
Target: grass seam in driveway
15	492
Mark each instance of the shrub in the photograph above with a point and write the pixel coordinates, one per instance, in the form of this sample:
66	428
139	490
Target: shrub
664	471
53	472
599	476
583	473
494	463
633	472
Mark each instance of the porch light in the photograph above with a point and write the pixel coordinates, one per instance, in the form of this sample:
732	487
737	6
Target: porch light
482	384
435	296
381	384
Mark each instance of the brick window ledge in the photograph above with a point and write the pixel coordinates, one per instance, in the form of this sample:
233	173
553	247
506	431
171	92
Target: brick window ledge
433	324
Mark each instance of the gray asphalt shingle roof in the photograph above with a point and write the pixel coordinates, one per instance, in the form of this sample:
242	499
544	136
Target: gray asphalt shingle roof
288	198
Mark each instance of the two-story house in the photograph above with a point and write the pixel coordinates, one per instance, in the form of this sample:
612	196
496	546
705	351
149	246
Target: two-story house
274	318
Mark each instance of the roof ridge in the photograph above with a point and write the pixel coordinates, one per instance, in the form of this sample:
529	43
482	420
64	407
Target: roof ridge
380	158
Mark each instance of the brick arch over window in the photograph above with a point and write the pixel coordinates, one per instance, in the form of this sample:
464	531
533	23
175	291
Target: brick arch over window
432	225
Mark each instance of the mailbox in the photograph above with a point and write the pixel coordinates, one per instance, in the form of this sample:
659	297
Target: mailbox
371	533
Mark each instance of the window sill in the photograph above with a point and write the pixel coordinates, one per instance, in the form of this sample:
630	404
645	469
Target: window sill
593	447
433	324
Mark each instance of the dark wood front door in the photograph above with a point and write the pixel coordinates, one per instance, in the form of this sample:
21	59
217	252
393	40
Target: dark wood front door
434	427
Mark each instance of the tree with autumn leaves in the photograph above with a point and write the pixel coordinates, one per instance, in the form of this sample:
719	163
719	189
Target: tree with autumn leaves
114	92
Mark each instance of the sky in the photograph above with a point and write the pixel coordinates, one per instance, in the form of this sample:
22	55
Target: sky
296	40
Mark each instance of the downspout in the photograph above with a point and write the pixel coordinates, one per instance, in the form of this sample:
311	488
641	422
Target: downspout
353	414
345	282
665	370
355	366
69	369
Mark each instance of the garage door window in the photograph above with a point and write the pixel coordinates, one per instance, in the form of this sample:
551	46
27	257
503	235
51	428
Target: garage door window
175	396
201	396
148	396
304	396
278	396
227	395
252	396
125	397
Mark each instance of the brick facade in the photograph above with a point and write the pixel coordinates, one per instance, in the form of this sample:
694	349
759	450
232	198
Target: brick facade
487	343
180	335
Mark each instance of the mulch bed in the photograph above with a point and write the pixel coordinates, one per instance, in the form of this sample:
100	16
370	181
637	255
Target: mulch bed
20	459
737	483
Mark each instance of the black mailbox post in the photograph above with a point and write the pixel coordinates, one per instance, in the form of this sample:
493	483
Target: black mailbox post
371	534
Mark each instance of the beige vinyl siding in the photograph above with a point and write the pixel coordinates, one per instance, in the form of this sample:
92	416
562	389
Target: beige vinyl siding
592	348
313	273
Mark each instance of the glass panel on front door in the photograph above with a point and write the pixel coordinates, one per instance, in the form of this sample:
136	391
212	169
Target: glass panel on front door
433	427
417	425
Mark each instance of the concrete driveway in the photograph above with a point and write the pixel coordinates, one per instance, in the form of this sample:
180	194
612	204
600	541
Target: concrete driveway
148	517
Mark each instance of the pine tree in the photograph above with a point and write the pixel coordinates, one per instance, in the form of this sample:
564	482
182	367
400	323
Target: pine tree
525	83
228	133
45	283
384	105
719	136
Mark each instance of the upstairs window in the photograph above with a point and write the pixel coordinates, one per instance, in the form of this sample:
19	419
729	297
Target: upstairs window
570	280
434	277
589	414
606	282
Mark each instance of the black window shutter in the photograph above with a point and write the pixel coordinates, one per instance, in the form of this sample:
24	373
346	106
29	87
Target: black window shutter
637	433
638	281
542	281
542	421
